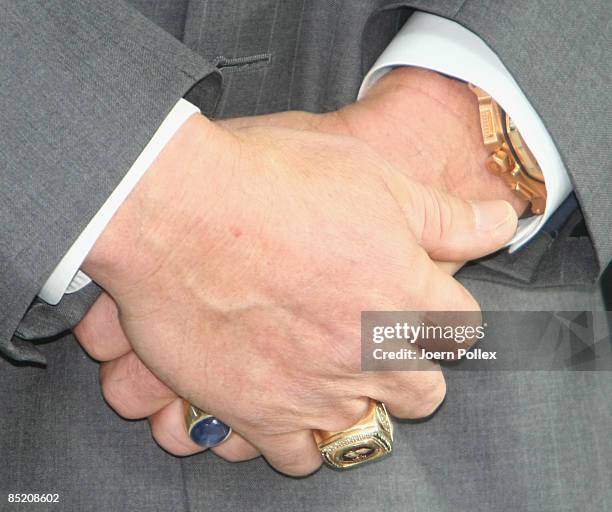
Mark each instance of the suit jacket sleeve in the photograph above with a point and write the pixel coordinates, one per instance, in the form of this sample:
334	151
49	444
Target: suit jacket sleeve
558	52
85	84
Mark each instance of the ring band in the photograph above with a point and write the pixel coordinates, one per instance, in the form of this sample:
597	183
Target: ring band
204	429
371	438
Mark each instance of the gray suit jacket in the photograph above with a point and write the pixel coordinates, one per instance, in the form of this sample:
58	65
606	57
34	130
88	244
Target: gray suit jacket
83	86
86	83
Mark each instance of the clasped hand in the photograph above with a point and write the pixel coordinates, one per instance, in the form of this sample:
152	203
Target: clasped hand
236	271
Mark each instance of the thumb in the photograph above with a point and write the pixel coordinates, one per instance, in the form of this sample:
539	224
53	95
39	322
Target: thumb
450	228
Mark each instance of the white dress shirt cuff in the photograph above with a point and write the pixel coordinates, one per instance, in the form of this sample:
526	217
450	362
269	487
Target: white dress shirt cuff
436	43
67	278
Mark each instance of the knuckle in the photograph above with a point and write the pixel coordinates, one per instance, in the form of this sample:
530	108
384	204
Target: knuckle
338	423
256	418
162	436
297	466
92	330
472	305
134	369
467	302
343	353
345	358
142	380
89	338
290	455
97	352
116	395
170	439
430	396
342	417
154	388
235	455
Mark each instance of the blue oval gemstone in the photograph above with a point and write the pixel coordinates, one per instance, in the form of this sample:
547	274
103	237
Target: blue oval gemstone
209	432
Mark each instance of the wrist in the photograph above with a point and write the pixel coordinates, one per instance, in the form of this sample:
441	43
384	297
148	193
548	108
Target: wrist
429	124
151	221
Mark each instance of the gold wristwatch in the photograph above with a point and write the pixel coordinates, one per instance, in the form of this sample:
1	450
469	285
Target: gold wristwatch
510	157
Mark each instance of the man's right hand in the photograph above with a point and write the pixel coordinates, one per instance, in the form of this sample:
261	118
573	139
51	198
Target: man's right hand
240	265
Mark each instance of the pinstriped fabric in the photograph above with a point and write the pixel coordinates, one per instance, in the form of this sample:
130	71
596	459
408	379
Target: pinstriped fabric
319	50
85	84
314	46
311	55
501	442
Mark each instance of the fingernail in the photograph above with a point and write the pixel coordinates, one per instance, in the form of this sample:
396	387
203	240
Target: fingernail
493	215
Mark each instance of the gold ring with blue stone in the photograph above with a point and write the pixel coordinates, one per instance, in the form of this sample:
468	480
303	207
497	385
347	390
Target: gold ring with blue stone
203	428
